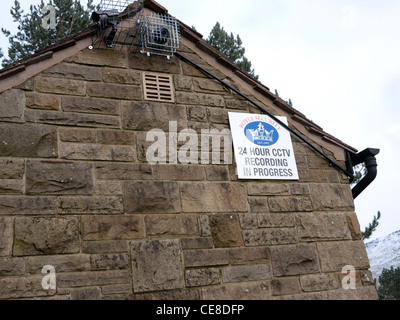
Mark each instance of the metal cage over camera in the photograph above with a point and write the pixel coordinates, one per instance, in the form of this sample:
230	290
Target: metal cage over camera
123	25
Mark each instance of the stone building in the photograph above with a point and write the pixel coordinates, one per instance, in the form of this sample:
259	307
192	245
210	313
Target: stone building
79	198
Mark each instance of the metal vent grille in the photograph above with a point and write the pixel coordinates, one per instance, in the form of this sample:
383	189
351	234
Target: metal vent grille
158	87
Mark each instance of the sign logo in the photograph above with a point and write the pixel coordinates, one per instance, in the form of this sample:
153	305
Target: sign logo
261	133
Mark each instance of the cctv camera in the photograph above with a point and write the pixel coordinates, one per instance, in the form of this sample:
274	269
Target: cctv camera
161	36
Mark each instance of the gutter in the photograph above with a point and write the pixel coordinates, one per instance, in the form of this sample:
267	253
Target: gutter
368	158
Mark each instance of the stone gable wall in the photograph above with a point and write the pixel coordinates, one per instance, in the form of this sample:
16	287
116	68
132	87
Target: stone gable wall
77	193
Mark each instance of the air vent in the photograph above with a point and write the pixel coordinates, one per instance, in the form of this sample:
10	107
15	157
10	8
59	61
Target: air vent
158	87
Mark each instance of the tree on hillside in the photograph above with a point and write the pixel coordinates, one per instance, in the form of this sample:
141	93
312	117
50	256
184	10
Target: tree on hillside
70	18
389	284
231	47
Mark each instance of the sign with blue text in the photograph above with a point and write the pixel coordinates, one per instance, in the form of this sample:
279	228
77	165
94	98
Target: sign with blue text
263	148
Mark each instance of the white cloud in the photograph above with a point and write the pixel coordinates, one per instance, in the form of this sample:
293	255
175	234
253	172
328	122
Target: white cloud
349	17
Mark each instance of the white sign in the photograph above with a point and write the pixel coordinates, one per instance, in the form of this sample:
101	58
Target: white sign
263	148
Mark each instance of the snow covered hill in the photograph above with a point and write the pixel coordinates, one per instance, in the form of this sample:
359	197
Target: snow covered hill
383	253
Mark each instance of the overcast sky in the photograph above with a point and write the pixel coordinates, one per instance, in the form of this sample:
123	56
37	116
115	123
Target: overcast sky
338	61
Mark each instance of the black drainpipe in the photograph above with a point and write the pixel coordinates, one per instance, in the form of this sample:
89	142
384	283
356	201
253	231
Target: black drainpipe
368	157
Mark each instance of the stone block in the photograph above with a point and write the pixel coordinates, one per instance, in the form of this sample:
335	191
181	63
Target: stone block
241	256
178	172
258	204
284	286
6	236
197	113
58	178
60	86
335	255
109	261
145	116
62	263
225	230
112	246
190	98
83	294
213	197
23	287
354	225
36	100
204	224
238	291
208	85
81	151
12	103
331	197
74	71
157	63
151	197
319	226
12	266
95	278
114	75
203	258
313	175
77	135
100	228
171	225
294	260
237	104
108	187
38	236
169	295
290	204
318	282
246	273
156	265
12	168
108	58
113	290
276	220
300	189
90	105
114	91
268	189
22	205
123	171
218	115
90	205
116	137
202	277
248	221
76	119
183	83
33	141
27	85
272	236
362	293
197	243
217	173
11	186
